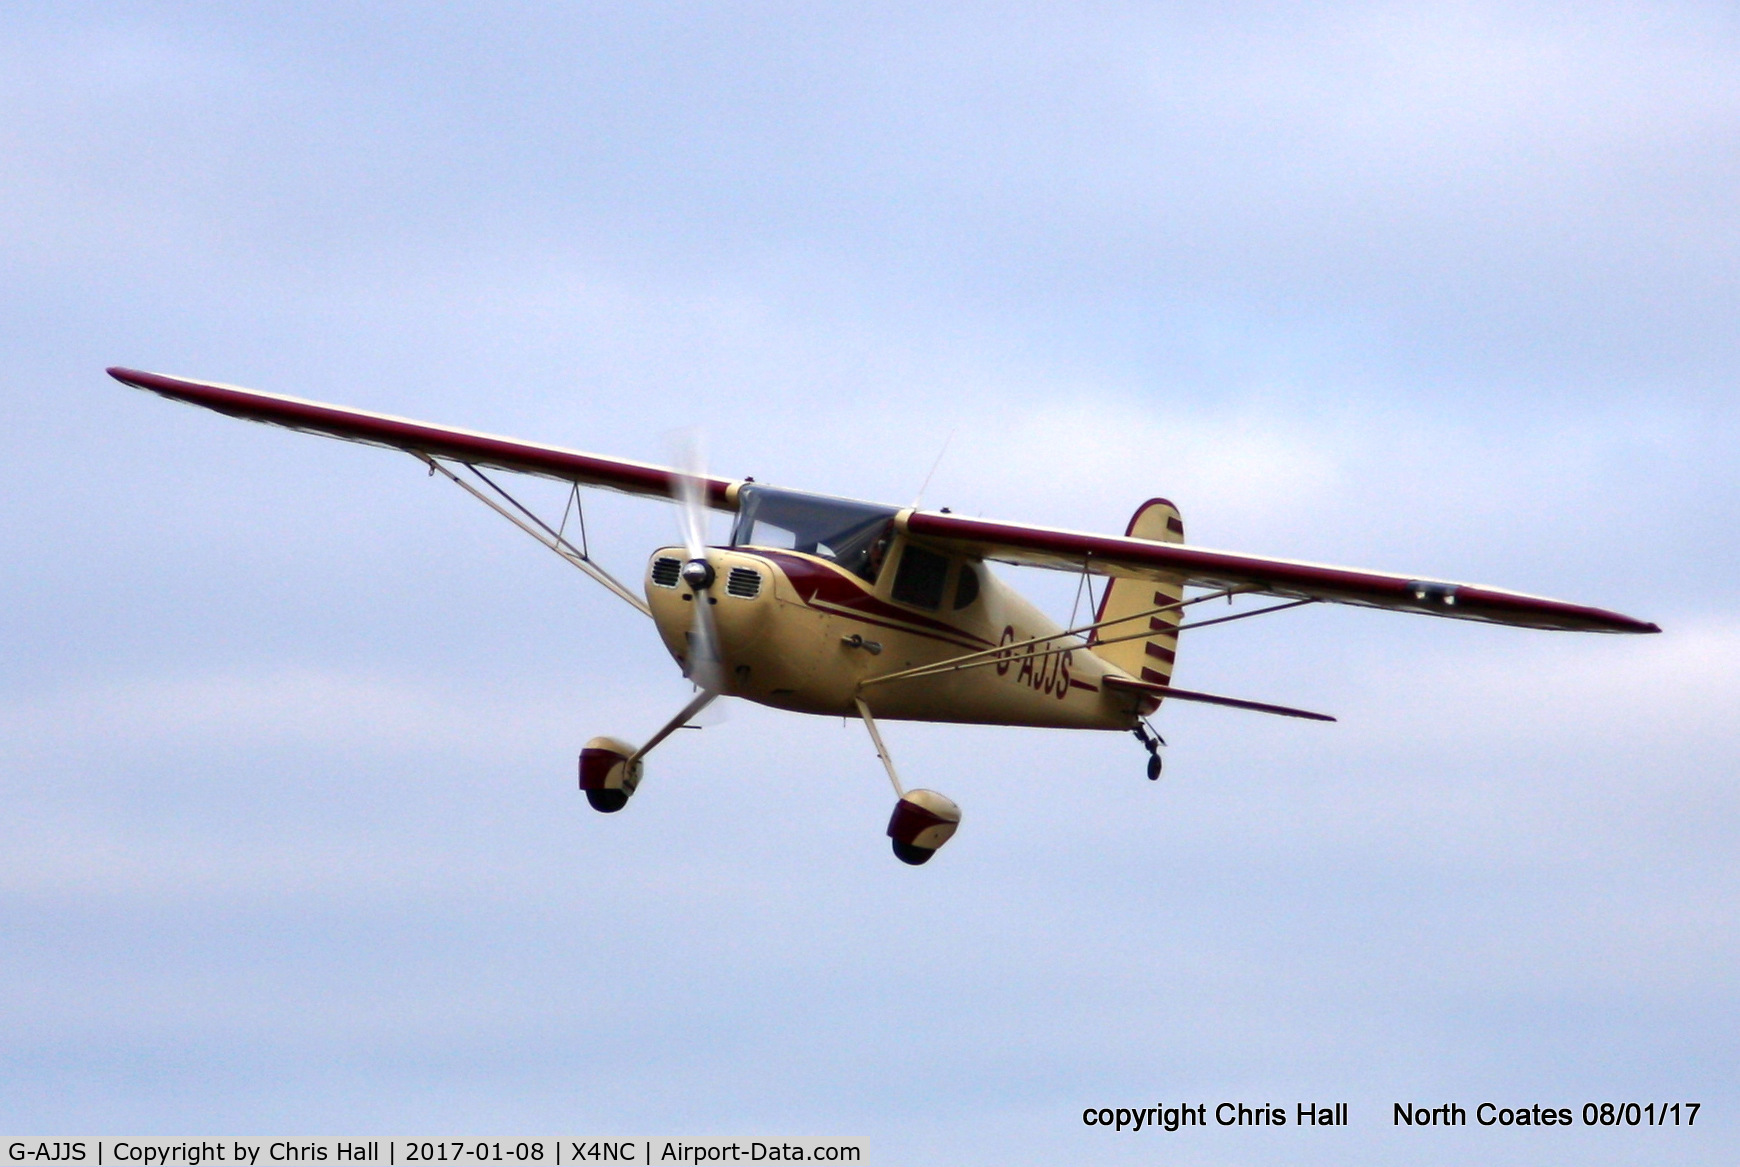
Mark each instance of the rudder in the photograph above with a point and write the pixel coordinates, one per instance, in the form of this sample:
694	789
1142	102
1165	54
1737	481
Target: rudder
1147	658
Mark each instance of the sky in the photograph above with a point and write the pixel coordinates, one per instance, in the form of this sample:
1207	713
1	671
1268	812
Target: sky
291	842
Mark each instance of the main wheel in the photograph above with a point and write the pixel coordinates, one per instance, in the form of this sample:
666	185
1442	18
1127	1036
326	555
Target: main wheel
606	778
607	801
923	820
907	853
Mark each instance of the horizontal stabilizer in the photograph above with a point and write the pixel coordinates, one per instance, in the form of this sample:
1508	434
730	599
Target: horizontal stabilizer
1176	694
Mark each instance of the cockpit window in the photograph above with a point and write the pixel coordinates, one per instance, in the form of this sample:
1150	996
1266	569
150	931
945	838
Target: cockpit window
854	535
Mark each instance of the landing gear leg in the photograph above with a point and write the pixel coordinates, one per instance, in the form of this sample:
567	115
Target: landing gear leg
1152	742
923	820
610	769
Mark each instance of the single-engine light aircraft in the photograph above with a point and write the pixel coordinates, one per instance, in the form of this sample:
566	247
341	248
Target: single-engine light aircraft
845	608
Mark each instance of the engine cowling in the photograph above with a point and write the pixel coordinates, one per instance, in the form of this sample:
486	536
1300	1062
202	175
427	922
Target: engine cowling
923	821
606	778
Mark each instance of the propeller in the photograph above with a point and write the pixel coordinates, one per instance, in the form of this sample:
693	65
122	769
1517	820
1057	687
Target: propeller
705	669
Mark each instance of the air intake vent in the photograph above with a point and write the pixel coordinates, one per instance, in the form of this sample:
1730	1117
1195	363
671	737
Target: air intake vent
665	572
744	583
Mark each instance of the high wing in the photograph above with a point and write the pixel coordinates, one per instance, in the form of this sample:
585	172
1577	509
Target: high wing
984	538
416	437
1198	566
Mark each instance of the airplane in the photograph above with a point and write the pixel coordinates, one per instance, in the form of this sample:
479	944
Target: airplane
844	608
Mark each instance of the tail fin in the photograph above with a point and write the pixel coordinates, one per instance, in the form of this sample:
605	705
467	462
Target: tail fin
1147	658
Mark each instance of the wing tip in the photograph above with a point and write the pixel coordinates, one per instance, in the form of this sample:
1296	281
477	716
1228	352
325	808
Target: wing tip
139	379
1618	623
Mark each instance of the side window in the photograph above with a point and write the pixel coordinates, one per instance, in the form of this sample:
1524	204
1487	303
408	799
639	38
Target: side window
967	587
921	577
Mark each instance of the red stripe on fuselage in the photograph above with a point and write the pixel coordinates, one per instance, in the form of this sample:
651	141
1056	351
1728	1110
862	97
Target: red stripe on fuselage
833	589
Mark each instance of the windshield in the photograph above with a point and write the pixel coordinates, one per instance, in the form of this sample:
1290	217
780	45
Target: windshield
854	535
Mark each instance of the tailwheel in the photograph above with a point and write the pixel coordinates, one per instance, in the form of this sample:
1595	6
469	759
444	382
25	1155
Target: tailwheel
607	774
1152	742
923	821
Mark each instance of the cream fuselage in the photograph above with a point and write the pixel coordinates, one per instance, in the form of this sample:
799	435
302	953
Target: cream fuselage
798	643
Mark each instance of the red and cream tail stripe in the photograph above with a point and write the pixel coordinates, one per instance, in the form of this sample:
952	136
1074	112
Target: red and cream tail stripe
1160	651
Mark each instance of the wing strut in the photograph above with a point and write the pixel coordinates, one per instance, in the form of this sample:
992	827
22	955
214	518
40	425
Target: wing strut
1246	615
539	530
